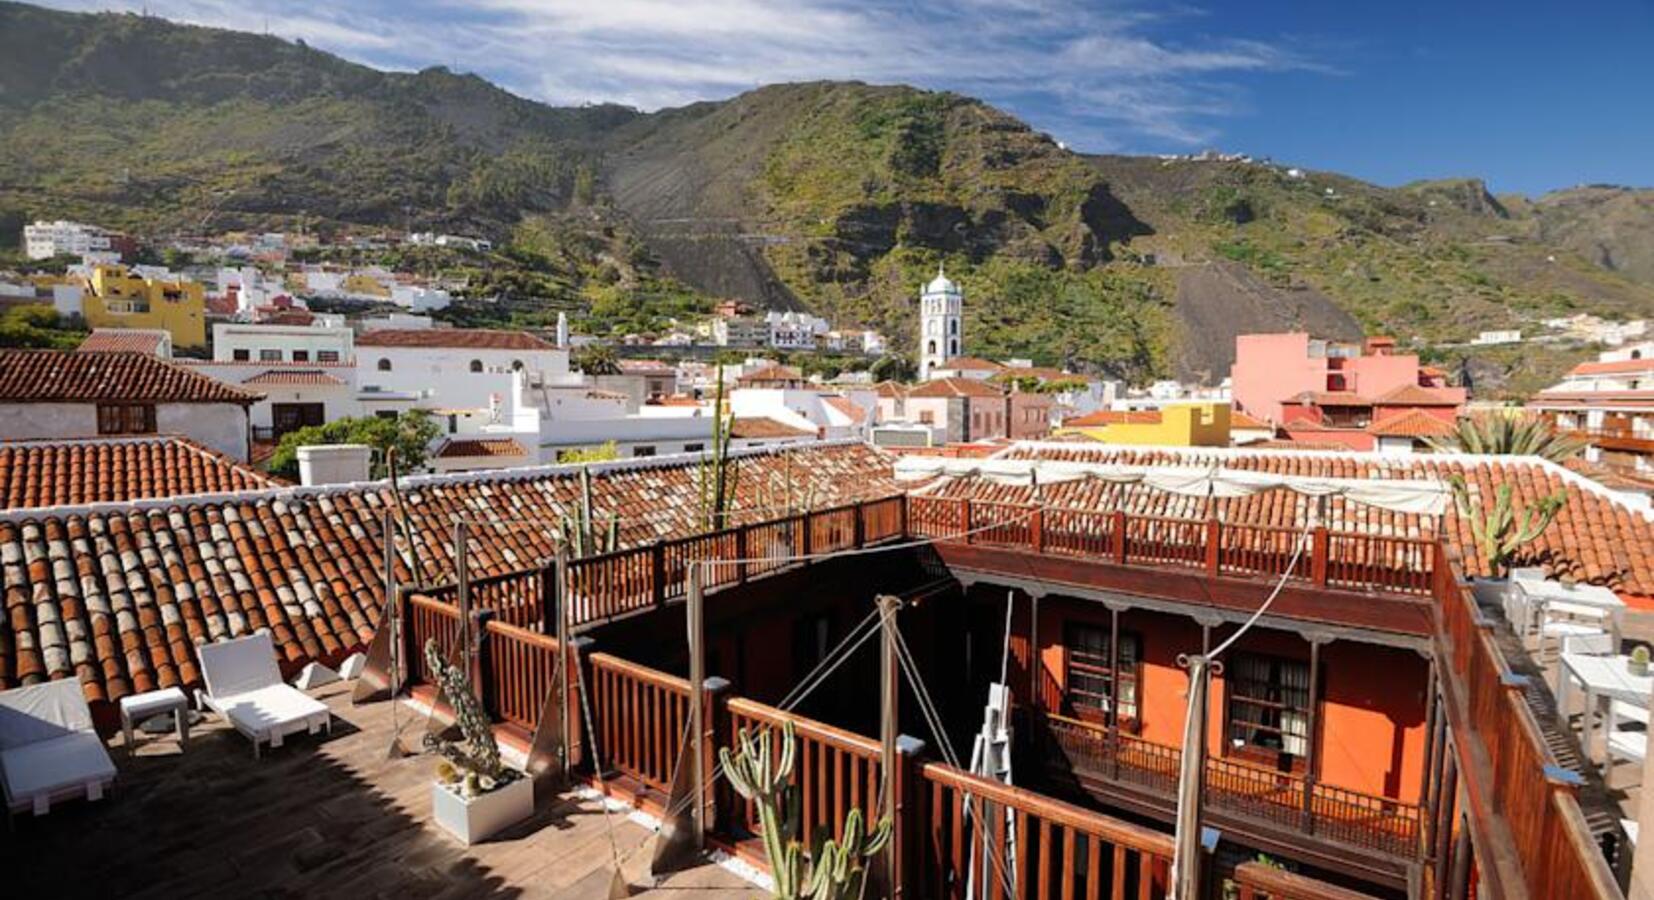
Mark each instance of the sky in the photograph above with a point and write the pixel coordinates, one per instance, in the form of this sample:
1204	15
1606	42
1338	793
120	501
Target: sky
1531	96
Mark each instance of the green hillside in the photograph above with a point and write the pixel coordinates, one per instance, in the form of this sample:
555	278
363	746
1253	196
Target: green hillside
837	197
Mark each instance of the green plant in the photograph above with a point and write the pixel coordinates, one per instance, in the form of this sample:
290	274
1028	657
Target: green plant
833	870
1510	433
597	359
1497	532
409	433
474	765
603	452
716	476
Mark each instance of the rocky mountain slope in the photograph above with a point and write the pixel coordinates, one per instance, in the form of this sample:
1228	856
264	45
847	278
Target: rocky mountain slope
836	197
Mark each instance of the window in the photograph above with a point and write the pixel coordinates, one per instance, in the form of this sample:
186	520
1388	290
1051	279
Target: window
476	365
953	326
241	355
1268	700
644	450
384	365
386	414
269	356
453	423
927	417
693	448
1089	675
327	356
301	355
126	418
516	365
953	348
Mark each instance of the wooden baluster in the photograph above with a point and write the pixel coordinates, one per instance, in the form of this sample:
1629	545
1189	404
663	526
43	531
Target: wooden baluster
1213	535
1320	547
1119	528
1036	529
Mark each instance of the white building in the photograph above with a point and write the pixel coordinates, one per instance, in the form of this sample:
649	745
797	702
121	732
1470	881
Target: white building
828	415
941	318
795	330
44	240
237	342
740	331
415	298
1495	338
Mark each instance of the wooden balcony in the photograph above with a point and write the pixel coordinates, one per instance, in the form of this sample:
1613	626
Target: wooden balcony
1626	439
1377	837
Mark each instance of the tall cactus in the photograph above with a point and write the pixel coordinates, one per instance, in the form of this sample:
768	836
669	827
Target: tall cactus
717	475
1497	532
580	532
834	870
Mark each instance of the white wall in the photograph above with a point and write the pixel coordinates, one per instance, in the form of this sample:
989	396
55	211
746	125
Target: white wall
284	339
220	426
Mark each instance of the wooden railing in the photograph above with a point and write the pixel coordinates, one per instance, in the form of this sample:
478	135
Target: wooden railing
1282	799
1521	782
638	715
519	670
428	619
518	597
1255	881
1058	850
835	771
1328	558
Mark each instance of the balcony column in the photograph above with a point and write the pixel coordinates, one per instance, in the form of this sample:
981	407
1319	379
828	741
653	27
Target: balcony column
1446	794
1434	723
1113	750
1312	755
1036	661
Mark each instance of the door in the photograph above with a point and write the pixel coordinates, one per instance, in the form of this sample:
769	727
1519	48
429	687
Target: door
285	417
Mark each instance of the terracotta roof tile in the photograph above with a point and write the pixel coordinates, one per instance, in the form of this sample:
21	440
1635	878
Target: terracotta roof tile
294	377
117	595
760	427
971	363
854	411
772	373
890	390
69	472
1615	367
1594	538
1238	419
468	338
1414	423
471	447
53	376
1413	395
124	340
956	387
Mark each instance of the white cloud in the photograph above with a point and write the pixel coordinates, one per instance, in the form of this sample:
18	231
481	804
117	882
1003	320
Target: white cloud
1099	76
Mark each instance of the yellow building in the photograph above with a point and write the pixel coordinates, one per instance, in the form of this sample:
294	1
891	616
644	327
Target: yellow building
1182	425
117	297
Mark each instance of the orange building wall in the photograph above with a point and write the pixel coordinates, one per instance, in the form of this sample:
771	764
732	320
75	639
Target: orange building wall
1370	727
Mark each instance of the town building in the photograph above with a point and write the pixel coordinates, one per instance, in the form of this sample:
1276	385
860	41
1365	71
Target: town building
115	296
1496	338
1181	425
941	323
76	471
965	367
740	331
150	341
1609	404
238	342
52	394
44	240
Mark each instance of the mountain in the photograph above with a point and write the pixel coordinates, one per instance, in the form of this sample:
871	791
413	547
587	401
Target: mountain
837	197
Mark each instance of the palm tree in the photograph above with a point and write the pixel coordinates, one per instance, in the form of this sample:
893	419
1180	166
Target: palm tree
1510	433
597	359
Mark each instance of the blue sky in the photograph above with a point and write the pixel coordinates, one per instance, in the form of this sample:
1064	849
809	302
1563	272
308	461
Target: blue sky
1531	96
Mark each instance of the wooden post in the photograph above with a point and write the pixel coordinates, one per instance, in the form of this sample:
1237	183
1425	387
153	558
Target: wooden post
1444	817
804	527
889	685
1119	529
1036	662
1320	547
902	513
1187	861
1312	759
462	578
697	678
741	554
1114	690
568	710
965	519
1036	529
549	599
657	573
859	524
1432	762
482	662
1214	533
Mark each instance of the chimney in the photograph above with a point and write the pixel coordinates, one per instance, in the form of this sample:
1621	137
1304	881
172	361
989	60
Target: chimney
333	463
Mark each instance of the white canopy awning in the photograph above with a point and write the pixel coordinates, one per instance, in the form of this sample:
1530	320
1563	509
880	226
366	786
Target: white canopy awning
1414	496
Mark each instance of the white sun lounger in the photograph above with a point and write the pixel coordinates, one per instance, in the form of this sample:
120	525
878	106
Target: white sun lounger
48	747
245	687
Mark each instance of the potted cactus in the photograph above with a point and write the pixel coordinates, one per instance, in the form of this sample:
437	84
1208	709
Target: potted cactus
475	794
833	870
1638	663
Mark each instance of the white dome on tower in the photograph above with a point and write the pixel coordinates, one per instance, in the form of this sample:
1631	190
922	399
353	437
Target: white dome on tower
941	284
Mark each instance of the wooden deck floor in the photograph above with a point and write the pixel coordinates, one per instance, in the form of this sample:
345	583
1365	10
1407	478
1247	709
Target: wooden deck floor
320	817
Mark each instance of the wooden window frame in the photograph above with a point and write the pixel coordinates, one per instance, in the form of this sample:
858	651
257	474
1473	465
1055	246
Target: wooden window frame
126	418
1236	693
1088	664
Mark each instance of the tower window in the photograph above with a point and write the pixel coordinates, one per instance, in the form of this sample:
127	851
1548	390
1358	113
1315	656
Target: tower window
953	326
930	348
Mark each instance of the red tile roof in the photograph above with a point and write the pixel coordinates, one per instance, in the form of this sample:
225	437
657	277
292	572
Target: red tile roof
124	340
1616	367
117	594
1238	419
890	390
647	367
971	364
851	409
69	472
1414	423
1594	538
771	373
761	427
294	377
456	448
956	387
466	338
54	376
1413	395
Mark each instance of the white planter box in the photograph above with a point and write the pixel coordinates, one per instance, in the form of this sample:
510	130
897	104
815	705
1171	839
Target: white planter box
477	819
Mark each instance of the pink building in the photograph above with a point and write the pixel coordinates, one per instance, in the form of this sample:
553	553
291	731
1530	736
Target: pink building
1275	370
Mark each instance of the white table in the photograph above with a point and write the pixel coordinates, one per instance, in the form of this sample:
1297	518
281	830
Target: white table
1602	678
135	708
1534	597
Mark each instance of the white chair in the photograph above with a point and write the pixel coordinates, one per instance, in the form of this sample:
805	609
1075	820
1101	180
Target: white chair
245	687
1627	744
1593	642
48	747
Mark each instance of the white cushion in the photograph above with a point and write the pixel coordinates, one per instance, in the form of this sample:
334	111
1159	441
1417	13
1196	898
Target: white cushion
142	706
239	666
1628	744
268	713
42	712
1570	629
53	766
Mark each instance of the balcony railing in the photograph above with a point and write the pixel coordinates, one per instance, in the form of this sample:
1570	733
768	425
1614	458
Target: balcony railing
1281	799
